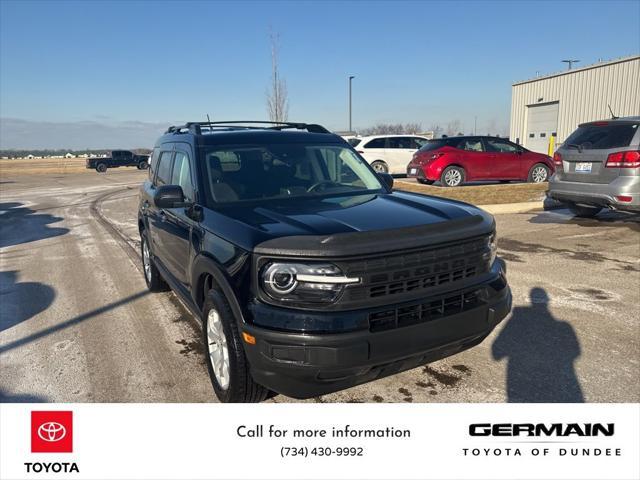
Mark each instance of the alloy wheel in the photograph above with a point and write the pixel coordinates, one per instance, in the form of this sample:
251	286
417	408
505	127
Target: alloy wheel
453	178
217	347
539	174
146	260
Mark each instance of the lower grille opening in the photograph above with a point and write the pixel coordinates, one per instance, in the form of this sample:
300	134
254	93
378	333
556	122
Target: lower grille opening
423	312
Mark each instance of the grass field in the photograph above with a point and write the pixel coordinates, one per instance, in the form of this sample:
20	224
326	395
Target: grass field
43	166
481	194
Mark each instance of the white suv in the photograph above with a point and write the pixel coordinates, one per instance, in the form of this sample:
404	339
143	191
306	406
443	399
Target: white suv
389	153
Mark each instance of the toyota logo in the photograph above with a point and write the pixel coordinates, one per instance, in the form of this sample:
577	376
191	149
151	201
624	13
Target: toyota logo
51	431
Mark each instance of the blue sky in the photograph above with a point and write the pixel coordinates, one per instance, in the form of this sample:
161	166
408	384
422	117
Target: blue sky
97	63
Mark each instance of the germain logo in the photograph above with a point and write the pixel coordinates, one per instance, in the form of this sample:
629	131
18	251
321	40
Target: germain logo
541	429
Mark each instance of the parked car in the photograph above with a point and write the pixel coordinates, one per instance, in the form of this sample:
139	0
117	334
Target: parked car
118	158
455	160
309	274
389	153
598	166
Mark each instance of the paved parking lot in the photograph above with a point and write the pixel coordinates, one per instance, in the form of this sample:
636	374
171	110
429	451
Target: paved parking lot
77	324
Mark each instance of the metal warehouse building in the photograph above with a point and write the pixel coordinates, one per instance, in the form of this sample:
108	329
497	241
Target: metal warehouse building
554	105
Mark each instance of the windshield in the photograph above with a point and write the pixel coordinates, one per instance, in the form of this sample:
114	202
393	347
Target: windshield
260	172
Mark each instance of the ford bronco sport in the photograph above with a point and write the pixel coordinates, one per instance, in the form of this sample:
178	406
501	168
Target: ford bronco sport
310	275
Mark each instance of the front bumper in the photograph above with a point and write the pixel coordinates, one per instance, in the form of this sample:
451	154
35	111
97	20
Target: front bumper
305	365
603	195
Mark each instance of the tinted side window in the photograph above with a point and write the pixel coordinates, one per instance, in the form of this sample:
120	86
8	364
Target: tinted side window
153	161
400	142
376	143
470	145
182	175
500	146
603	136
417	142
164	168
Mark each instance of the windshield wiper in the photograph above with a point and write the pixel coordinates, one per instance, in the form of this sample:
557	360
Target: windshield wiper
574	145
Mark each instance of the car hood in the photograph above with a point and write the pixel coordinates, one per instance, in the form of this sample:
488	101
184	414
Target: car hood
326	226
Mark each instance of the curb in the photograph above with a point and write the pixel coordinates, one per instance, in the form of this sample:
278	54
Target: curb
523	207
502	208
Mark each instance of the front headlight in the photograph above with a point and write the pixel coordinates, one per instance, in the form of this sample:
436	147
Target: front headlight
304	283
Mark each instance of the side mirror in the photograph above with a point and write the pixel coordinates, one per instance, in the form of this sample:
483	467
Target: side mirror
386	179
169	196
520	150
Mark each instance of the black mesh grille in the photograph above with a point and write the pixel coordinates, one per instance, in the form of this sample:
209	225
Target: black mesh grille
416	272
423	312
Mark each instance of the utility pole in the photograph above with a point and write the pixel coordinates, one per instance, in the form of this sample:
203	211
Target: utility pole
351	77
570	63
475	124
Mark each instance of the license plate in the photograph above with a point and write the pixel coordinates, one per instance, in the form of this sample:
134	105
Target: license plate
583	167
413	171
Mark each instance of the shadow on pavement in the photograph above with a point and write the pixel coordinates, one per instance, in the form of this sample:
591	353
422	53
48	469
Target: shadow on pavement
604	218
71	322
19	224
540	352
6	397
19	301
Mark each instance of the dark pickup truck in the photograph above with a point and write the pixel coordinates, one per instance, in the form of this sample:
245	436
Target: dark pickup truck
118	158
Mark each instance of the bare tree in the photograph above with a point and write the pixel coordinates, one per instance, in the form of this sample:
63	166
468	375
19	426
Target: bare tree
436	129
453	128
392	129
277	96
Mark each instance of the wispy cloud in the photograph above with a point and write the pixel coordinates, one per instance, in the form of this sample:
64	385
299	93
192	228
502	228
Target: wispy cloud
25	134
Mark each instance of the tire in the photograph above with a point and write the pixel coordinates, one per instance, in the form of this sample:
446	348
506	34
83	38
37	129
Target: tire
142	166
425	181
152	277
229	374
583	211
101	167
452	176
380	167
539	173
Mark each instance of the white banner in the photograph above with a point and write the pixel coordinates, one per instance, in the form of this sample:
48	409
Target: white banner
311	441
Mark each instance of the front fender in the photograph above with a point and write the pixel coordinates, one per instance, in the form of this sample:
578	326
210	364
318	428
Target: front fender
203	264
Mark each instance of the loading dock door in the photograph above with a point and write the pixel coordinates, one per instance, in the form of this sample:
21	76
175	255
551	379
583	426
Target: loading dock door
542	123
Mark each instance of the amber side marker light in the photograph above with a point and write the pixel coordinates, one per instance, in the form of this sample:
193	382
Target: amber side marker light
250	339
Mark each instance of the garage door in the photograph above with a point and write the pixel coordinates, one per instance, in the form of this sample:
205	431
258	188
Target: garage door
542	123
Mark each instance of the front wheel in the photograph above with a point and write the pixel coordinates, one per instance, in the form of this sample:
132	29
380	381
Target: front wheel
584	211
452	177
142	166
380	167
101	167
227	364
152	277
539	173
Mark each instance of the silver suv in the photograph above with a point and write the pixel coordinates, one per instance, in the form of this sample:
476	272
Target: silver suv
599	166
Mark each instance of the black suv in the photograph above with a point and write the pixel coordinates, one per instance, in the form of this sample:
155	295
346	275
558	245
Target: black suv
309	273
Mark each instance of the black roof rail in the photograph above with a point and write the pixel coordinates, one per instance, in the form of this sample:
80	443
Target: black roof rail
196	127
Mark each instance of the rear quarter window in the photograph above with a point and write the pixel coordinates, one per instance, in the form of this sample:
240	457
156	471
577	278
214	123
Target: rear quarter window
433	145
376	143
601	137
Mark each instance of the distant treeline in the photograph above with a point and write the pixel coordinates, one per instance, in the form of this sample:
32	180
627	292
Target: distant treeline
62	152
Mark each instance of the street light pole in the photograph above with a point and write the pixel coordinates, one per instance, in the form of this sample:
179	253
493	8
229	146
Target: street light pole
351	77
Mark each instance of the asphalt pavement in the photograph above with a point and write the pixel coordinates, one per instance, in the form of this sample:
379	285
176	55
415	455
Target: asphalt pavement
78	325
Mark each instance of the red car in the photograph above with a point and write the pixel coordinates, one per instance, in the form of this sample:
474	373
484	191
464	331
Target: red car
455	160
